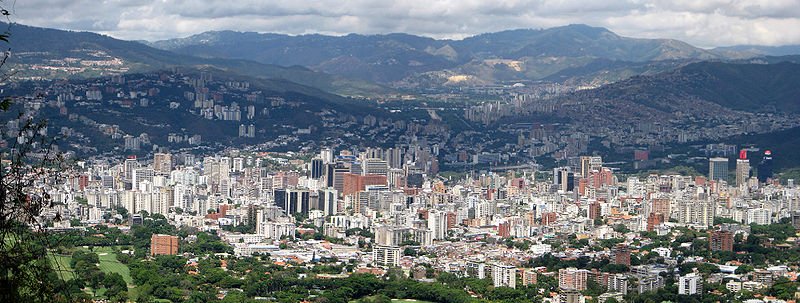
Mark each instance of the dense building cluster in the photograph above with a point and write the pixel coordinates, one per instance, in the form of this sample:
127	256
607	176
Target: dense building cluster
387	208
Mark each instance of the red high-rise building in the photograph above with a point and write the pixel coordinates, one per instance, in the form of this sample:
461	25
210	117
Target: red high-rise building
549	218
622	254
451	220
653	220
355	183
661	206
721	240
594	210
163	245
504	230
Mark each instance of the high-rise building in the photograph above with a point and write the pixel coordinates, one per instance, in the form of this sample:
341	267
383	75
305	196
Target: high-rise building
661	206
690	284
700	212
387	256
529	276
437	224
353	183
594	210
162	163
760	216
130	165
721	240
622	254
326	154
765	167
375	166
590	163
317	168
163	245
564	178
504	276
742	169
653	220
572	278
293	201
718	169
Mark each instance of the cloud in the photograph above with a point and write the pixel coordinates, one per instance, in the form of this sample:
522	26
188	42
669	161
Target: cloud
705	23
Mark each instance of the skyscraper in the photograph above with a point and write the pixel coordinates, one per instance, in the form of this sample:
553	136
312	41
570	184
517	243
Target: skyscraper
317	168
718	169
742	169
564	178
590	163
765	167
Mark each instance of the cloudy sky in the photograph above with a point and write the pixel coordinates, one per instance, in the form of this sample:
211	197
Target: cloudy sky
704	23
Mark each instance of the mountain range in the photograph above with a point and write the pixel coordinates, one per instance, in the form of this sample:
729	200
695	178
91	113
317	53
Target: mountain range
523	54
369	65
50	53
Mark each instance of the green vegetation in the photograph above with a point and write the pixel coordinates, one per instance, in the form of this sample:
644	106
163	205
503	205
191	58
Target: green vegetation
107	258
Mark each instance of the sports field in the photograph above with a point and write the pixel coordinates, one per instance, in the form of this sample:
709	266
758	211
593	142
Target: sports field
108	264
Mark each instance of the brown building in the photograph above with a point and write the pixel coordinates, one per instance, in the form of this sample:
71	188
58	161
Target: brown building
721	240
451	220
529	276
594	210
504	230
622	254
163	245
549	218
354	183
653	220
572	278
661	206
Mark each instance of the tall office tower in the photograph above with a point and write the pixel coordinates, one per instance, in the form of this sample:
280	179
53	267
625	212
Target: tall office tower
437	224
327	155
742	169
564	178
375	166
130	165
293	201
590	163
394	157
718	169
238	164
317	167
765	167
328	201
162	163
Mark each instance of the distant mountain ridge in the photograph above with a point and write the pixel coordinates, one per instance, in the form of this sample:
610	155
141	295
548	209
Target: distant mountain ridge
393	57
33	47
752	87
760	50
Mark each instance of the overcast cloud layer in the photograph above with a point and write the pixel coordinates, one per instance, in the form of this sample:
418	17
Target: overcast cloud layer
704	23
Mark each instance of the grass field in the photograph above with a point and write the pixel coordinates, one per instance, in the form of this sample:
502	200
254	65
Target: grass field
108	264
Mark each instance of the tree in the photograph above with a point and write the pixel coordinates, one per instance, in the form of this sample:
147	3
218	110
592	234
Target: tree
26	274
